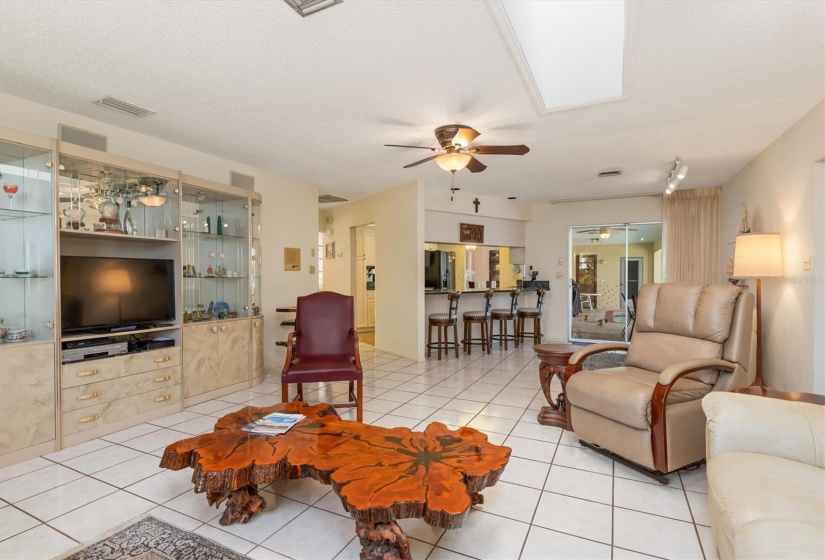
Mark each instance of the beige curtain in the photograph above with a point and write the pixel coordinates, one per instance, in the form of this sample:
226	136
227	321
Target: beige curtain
692	236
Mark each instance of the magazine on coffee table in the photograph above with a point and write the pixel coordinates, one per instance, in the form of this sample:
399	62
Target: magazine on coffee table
274	424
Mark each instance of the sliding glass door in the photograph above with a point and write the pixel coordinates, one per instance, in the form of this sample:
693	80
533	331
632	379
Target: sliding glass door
609	264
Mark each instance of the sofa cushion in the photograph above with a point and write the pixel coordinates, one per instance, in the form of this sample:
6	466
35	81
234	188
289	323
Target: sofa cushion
751	487
623	394
771	538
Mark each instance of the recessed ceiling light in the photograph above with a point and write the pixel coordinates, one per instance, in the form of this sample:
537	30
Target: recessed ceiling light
643	238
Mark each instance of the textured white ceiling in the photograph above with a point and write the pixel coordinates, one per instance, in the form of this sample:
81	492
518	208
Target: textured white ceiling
315	98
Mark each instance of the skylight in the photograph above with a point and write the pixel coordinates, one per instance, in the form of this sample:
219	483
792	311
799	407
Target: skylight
571	51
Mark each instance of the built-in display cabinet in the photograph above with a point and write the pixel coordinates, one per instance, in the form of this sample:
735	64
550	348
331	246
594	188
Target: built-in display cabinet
27	296
65	204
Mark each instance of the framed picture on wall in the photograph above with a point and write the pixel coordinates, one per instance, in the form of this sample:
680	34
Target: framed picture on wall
330	250
370	277
471	233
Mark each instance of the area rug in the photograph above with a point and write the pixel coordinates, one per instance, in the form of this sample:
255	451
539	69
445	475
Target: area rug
153	539
604	360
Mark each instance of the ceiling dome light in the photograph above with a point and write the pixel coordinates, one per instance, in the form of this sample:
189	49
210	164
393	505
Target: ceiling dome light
604	232
453	162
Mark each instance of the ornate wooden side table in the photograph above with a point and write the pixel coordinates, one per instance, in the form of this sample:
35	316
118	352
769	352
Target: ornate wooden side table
554	358
380	474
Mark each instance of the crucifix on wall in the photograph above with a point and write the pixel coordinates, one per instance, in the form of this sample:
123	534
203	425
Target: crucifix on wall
477	203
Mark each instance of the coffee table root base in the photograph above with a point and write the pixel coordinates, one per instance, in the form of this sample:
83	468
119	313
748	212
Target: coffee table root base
241	504
383	541
476	498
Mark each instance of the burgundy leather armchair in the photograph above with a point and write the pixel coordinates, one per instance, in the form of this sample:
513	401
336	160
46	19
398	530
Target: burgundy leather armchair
325	347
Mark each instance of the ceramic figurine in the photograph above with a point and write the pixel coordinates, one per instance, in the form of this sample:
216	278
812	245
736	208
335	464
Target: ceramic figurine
210	272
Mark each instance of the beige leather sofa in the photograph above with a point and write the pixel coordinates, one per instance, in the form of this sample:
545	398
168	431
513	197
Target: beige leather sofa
766	476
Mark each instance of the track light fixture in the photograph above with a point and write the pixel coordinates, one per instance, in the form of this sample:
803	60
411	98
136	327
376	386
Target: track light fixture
677	173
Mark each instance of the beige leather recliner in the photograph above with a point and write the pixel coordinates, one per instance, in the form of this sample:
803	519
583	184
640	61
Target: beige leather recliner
689	340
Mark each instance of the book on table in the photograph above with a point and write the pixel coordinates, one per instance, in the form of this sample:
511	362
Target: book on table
274	424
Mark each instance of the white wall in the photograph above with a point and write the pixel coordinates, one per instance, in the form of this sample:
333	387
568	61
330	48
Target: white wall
778	188
398	215
290	207
503	220
547	242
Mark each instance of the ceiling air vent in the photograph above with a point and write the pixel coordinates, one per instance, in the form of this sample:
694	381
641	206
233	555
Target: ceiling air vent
125	107
329	198
241	180
308	7
610	173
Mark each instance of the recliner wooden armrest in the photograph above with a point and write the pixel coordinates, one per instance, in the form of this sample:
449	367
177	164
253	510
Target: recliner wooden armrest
672	373
576	361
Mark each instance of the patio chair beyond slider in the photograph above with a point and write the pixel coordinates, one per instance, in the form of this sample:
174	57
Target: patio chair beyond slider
326	348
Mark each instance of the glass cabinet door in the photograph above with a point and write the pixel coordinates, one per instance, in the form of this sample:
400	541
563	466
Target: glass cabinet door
105	199
255	258
215	255
28	242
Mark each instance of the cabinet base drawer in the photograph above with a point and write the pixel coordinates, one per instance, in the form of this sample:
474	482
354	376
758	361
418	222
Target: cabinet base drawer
84	396
91	371
120	409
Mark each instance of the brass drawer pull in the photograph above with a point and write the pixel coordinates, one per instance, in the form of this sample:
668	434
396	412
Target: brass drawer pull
89	373
163	359
91	418
88	396
162	379
163	398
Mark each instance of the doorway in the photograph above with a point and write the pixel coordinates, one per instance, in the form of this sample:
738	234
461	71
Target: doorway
364	282
609	265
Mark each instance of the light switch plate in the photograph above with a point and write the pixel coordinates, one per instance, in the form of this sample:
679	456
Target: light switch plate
806	264
312	269
559	275
561	261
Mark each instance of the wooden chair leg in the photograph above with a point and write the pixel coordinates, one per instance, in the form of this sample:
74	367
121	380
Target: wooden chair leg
537	330
486	335
466	340
352	391
284	392
516	341
439	340
300	395
359	402
455	337
503	328
429	340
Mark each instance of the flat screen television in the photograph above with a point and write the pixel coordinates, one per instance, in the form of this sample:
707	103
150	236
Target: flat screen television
110	294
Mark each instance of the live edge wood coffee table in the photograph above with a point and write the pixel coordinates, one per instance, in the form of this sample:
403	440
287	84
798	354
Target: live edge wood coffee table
380	474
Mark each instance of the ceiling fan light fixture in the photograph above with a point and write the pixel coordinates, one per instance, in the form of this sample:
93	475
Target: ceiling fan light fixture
155	198
604	232
453	162
464	137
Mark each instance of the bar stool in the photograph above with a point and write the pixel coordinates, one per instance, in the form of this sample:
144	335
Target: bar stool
502	316
443	321
533	313
478	318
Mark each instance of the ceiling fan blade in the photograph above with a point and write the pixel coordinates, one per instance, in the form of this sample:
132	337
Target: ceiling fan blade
419	162
405	146
518	150
476	166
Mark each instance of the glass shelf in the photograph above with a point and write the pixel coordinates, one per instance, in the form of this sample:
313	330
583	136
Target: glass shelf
214	277
11	214
11	277
215	236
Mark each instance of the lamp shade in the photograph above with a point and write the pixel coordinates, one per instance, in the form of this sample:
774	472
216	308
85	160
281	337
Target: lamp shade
453	161
116	281
757	255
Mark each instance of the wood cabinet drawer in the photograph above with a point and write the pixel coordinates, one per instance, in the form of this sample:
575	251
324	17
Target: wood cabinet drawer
119	409
83	396
82	373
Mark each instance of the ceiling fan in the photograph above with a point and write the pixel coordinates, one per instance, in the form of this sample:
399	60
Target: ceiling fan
605	231
456	152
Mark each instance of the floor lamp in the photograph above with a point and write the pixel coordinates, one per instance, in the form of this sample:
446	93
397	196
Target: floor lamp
758	255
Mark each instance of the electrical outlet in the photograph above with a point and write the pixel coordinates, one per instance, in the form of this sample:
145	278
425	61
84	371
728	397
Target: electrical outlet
312	269
559	275
561	261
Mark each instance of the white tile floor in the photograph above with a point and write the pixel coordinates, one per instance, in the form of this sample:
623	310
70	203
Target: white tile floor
555	499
